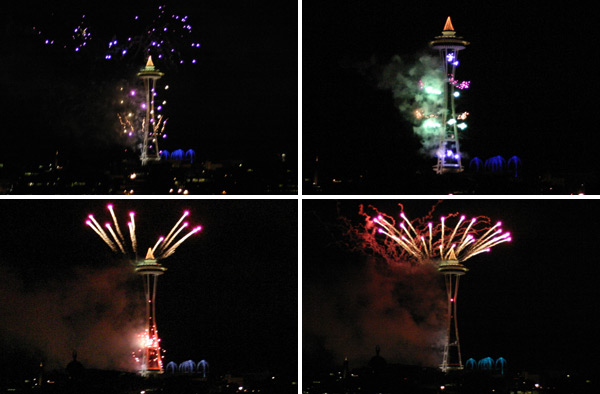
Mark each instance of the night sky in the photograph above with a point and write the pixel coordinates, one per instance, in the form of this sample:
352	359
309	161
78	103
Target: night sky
530	301
238	101
530	67
229	295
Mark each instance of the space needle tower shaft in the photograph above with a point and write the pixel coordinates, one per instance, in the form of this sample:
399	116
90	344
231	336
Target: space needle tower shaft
150	269
452	270
448	151
149	75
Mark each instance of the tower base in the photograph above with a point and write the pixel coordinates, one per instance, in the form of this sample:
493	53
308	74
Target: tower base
150	372
147	160
448	169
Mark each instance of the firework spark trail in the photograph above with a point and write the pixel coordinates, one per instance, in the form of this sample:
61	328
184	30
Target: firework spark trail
167	239
117	227
164	246
131	225
94	222
165	249
98	230
127	126
466	239
159	131
117	240
157	242
472	241
171	250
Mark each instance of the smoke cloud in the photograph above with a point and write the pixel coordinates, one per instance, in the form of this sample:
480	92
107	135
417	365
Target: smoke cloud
417	87
400	310
95	312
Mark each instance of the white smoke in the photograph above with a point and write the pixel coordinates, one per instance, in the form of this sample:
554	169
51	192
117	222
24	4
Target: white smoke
416	86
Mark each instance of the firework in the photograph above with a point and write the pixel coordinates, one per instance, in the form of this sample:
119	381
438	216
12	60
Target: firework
442	241
462	85
114	238
73	36
167	36
132	112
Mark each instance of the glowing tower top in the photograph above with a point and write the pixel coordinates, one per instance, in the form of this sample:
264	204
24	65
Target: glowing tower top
448	39
448	153
150	71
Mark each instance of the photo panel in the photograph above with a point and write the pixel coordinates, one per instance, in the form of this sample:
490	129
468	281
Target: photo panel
433	98
454	295
150	98
169	295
